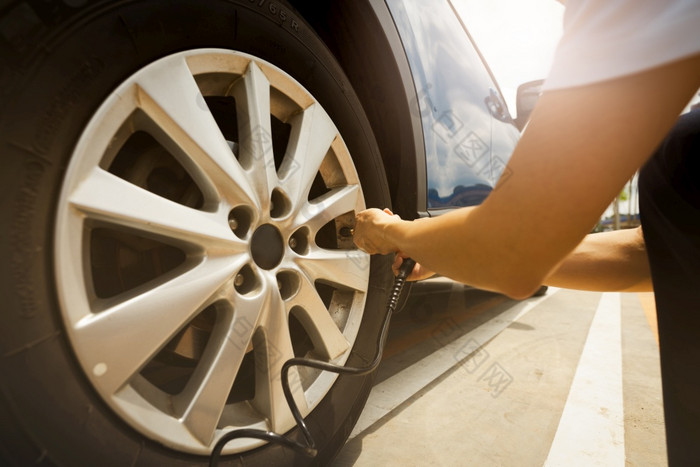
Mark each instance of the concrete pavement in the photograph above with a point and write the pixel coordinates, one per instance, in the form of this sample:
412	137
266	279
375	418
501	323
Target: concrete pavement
473	378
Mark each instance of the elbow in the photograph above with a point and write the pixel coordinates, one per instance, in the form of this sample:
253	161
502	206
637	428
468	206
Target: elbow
521	291
521	286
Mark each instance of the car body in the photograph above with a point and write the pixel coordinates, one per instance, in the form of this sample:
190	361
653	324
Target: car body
179	182
461	136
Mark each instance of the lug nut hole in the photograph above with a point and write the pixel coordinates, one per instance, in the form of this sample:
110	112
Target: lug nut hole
299	241
245	281
239	220
279	204
288	283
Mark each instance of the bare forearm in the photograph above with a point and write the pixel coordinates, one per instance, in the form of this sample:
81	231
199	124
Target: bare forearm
455	245
608	261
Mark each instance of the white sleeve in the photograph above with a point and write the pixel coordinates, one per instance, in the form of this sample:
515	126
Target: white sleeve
607	39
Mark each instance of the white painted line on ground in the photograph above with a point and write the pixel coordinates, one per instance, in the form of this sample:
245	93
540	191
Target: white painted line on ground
394	391
591	429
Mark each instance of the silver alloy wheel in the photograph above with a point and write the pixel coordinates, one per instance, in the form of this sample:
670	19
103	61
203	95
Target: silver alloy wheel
201	241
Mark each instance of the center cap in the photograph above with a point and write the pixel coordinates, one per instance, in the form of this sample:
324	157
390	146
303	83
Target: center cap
267	246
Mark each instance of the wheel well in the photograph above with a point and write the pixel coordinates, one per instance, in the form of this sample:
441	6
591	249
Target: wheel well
362	37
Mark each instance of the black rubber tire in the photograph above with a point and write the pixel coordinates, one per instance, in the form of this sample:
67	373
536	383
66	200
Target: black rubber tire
58	61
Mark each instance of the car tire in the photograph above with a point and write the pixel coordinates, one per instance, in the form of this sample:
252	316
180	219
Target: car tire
63	66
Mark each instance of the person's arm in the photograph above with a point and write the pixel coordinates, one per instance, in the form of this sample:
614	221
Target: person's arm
579	149
606	262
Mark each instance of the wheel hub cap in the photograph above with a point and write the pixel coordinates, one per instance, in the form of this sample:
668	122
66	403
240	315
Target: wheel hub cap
267	247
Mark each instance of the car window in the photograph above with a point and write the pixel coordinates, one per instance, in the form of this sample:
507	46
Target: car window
453	93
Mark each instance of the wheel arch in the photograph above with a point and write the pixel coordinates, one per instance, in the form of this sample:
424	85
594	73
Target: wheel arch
364	40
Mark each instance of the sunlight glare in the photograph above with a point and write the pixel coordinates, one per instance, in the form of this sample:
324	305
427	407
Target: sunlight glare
516	37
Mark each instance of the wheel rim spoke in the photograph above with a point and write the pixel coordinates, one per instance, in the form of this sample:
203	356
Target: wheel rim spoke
208	389
277	346
345	268
119	340
169	95
108	198
327	207
252	95
311	137
328	340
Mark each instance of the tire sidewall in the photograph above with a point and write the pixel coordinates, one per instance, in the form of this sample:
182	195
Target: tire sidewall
49	94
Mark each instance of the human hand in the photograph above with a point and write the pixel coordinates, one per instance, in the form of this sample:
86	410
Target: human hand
370	235
419	272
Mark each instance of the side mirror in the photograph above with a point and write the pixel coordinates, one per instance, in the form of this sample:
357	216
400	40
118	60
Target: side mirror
526	98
